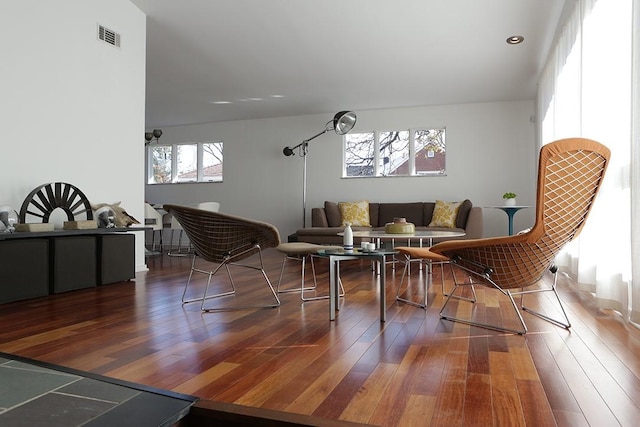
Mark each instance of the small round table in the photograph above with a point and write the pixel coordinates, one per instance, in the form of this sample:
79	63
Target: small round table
510	211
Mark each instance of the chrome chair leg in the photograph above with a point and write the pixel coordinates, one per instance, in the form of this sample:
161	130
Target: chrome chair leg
430	263
507	293
315	284
302	260
406	272
566	323
227	263
303	288
210	273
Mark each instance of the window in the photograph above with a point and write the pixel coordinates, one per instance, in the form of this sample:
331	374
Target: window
180	163
415	152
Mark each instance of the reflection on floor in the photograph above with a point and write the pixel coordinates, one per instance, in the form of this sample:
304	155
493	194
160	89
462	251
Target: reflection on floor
34	393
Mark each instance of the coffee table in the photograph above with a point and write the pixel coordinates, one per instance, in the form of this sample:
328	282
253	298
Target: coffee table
337	255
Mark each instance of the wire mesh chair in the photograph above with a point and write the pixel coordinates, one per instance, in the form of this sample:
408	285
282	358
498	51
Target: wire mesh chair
570	173
175	226
225	240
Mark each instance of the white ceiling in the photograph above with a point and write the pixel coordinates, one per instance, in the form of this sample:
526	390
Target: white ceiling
274	58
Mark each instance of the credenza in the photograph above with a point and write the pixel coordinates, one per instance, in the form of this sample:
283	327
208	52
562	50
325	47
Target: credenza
36	264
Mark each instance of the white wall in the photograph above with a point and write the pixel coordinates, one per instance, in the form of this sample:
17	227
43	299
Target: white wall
490	150
72	107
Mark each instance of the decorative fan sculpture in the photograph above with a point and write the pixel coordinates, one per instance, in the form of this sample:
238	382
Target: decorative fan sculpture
43	200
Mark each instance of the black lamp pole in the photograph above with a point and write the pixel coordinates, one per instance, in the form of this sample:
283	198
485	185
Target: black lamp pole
342	123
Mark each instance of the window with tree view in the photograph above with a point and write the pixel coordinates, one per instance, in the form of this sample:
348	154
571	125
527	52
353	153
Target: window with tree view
415	152
180	163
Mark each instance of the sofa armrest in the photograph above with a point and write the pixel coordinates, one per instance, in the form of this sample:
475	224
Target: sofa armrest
474	224
319	218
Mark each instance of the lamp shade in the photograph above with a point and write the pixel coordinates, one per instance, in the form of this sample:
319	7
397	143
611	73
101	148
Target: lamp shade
344	121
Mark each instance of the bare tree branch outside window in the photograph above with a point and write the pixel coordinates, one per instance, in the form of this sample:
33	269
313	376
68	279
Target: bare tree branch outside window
394	152
194	162
161	164
359	156
395	155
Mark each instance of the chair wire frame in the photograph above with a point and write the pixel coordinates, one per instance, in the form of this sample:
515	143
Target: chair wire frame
411	254
570	174
302	259
225	240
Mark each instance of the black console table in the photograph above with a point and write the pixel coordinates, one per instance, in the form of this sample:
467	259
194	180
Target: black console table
36	264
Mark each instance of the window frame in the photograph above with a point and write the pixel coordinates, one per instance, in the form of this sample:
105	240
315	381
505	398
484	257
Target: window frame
200	177
377	168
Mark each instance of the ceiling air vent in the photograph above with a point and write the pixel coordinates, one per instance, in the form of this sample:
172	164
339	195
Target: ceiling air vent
108	36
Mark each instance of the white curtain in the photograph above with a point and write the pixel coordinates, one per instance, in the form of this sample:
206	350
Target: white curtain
589	88
635	166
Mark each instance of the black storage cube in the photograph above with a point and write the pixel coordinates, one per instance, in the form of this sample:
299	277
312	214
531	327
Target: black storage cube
24	269
116	255
73	263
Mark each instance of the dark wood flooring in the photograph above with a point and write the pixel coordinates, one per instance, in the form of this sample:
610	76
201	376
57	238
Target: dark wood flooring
413	370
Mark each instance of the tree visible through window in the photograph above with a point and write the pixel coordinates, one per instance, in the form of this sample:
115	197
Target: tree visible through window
394	152
180	163
416	152
160	164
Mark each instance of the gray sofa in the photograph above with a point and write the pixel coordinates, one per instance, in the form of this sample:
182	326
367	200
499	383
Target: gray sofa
326	221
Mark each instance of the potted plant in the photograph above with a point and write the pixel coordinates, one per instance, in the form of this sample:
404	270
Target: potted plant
509	199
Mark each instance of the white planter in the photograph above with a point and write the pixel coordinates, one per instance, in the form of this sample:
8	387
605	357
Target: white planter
510	202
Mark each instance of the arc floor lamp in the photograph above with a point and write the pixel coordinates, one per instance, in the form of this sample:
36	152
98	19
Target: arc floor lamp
341	123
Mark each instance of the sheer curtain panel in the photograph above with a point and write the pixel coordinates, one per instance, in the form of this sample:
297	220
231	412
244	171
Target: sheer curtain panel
589	88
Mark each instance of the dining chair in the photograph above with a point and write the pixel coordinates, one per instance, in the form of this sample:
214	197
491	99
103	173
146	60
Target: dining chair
153	219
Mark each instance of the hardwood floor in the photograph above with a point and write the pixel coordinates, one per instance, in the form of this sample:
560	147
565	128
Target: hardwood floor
415	369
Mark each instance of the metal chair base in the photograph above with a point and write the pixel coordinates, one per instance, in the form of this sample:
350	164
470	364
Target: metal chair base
566	324
521	331
226	263
179	253
302	287
430	264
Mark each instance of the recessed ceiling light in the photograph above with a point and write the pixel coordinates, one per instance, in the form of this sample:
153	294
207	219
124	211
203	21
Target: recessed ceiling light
515	40
220	102
277	96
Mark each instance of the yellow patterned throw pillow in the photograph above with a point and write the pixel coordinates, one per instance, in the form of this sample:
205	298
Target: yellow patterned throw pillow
444	214
355	213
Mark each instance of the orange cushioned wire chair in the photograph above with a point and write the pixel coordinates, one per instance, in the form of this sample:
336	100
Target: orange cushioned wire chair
225	240
569	176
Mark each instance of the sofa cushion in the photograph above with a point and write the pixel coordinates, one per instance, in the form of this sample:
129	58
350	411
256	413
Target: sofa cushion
463	213
333	214
413	212
355	213
445	214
